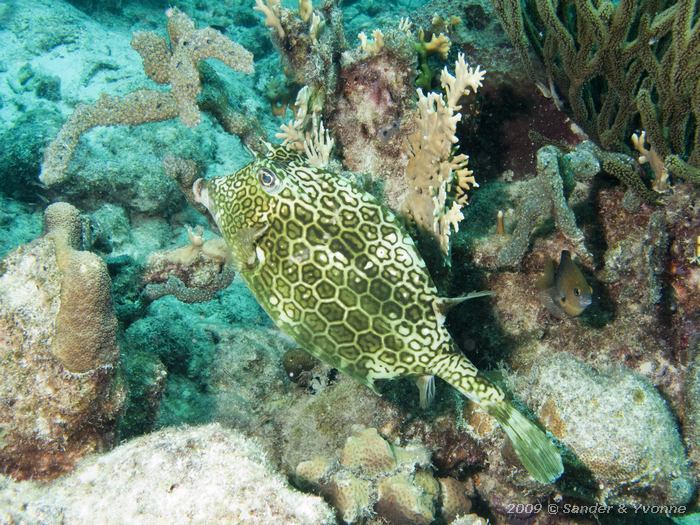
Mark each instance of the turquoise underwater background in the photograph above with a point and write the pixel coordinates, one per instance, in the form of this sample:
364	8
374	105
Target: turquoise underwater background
142	382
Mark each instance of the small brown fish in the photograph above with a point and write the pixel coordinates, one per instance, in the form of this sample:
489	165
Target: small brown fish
563	288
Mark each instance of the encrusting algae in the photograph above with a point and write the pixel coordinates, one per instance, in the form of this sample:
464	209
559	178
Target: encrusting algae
337	272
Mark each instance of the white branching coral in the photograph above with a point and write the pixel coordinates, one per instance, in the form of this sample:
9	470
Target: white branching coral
655	161
306	131
438	179
292	133
271	10
405	25
318	144
374	46
315	27
305	9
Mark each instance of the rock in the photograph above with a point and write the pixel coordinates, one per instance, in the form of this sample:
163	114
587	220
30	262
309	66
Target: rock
193	475
616	426
59	396
23	144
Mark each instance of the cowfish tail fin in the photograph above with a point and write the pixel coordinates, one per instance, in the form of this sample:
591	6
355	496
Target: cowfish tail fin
536	451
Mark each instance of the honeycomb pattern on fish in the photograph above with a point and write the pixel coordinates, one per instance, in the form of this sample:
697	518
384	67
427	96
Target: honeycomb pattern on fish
338	274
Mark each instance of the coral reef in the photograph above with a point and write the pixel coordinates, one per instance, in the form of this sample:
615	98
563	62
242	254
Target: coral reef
309	42
192	273
621	66
372	476
609	383
196	475
545	198
59	388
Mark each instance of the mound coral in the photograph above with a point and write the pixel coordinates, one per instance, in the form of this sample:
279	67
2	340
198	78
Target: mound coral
59	352
373	476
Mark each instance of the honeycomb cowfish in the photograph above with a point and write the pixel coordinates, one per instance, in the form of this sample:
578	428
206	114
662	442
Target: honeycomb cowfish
563	288
337	272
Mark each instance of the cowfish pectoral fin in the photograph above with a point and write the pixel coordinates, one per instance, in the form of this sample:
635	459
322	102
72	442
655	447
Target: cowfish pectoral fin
535	450
247	240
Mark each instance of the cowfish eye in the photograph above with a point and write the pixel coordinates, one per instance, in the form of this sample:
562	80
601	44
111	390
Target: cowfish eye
269	181
267	178
577	292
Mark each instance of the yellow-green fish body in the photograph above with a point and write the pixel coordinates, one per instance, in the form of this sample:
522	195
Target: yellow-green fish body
336	271
564	288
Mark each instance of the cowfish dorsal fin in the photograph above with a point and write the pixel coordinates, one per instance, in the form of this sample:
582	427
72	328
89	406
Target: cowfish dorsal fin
442	305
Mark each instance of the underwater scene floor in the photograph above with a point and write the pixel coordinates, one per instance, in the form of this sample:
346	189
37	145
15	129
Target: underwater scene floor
346	261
